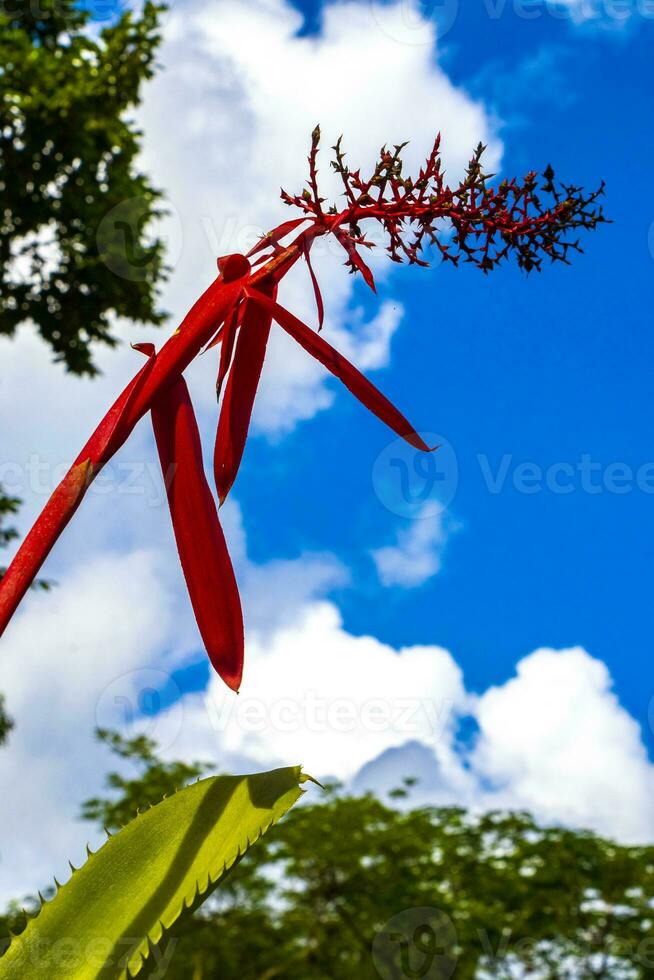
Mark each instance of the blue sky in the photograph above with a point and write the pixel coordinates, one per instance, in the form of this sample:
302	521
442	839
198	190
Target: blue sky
517	624
546	369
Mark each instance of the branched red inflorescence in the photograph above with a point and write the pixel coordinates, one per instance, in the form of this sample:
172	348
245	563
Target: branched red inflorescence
476	221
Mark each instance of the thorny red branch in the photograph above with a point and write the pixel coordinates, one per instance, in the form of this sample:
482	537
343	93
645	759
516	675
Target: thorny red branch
476	221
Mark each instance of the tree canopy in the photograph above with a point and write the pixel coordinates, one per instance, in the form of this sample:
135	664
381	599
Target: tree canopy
74	209
6	723
8	506
353	886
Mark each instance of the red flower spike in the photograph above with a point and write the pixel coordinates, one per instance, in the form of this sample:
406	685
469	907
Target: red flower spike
475	221
242	384
200	541
341	368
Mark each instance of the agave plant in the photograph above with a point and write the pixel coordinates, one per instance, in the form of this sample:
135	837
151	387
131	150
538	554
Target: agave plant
476	221
114	917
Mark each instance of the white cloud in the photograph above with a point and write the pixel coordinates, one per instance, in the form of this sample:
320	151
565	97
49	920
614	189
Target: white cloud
58	656
315	694
553	739
242	115
556	740
294	385
33	257
245	93
417	556
98	650
225	123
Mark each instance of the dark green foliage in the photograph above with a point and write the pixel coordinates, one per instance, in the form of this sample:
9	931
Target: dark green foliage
68	178
513	898
8	507
154	780
66	161
6	724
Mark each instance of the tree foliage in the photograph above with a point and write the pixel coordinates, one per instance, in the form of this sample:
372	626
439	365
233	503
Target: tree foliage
67	155
8	506
6	724
339	890
153	781
74	210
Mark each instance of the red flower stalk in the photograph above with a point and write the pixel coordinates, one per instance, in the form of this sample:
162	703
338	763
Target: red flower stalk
476	220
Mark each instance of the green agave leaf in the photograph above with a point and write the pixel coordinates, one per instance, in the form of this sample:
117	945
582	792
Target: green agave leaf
106	922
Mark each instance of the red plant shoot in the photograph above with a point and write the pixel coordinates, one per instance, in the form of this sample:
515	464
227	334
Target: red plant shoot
476	221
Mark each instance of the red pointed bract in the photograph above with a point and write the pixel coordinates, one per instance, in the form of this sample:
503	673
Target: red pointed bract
227	349
341	368
111	431
275	236
316	286
240	392
200	540
216	340
355	259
